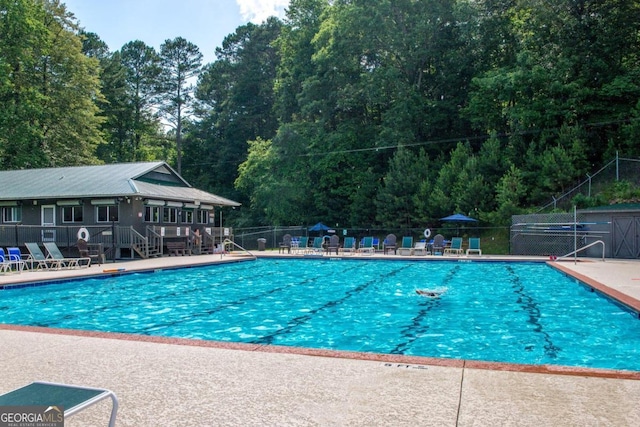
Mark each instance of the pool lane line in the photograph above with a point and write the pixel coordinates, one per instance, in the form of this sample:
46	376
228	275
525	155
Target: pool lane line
301	320
530	307
191	316
102	289
60	320
104	308
415	329
226	305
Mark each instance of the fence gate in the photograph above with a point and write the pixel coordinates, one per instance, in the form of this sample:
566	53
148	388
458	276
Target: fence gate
626	237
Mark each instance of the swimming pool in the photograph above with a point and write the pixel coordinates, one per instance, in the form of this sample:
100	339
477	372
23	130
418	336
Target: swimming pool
492	311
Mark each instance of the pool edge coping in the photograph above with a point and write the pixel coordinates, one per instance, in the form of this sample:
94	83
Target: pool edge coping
350	355
620	297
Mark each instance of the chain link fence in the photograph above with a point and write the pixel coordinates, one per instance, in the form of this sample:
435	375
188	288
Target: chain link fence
554	234
494	239
618	169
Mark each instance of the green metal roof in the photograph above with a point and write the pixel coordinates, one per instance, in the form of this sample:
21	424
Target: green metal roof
143	179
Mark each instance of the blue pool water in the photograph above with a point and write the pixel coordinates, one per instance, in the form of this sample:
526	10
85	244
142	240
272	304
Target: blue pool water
493	311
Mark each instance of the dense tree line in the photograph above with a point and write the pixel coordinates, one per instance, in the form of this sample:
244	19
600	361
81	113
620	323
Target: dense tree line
390	113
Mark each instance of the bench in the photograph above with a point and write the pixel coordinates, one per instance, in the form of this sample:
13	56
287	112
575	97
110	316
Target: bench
51	395
178	248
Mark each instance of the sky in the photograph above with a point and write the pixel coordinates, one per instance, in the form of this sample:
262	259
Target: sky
204	23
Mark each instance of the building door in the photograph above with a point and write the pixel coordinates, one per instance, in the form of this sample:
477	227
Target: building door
48	222
626	237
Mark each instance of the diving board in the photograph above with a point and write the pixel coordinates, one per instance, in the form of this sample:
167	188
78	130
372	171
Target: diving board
72	398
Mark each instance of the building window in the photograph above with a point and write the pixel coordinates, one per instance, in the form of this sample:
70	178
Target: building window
186	217
152	214
203	217
12	214
72	214
170	215
107	213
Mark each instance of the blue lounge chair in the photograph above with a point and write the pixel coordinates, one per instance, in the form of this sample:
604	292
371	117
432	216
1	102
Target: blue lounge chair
16	259
349	246
455	248
407	246
366	246
5	265
303	245
474	246
317	248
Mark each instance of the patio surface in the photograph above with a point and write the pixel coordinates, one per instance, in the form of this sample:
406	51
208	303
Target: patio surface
166	382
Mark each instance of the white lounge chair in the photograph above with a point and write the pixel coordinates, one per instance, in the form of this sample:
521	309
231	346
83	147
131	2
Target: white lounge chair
56	254
420	248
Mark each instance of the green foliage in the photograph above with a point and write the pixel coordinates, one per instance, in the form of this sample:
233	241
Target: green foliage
48	88
391	113
623	192
180	61
235	103
583	202
23	37
395	201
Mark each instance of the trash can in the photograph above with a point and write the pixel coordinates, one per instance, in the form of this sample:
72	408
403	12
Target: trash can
261	244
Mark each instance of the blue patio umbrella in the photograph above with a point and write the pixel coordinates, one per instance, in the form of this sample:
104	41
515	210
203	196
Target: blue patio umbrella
458	218
319	227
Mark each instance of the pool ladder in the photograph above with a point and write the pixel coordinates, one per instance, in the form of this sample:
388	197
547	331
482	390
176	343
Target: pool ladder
586	247
232	243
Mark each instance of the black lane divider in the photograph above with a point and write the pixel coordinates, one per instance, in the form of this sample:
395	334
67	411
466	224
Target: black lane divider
415	329
249	297
300	320
530	306
115	283
103	290
226	305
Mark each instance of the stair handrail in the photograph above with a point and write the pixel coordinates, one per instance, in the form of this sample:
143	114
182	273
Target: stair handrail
137	241
155	241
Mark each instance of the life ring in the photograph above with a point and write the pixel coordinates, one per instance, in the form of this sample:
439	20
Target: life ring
427	233
83	234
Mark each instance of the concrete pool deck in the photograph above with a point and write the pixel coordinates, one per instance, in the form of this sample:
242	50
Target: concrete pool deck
193	383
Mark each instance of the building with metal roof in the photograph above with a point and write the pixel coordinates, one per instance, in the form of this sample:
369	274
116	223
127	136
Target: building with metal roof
147	198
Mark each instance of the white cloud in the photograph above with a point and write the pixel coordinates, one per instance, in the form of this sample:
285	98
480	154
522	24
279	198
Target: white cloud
257	11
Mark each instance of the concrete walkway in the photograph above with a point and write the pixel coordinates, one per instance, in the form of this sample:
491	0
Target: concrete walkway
164	382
